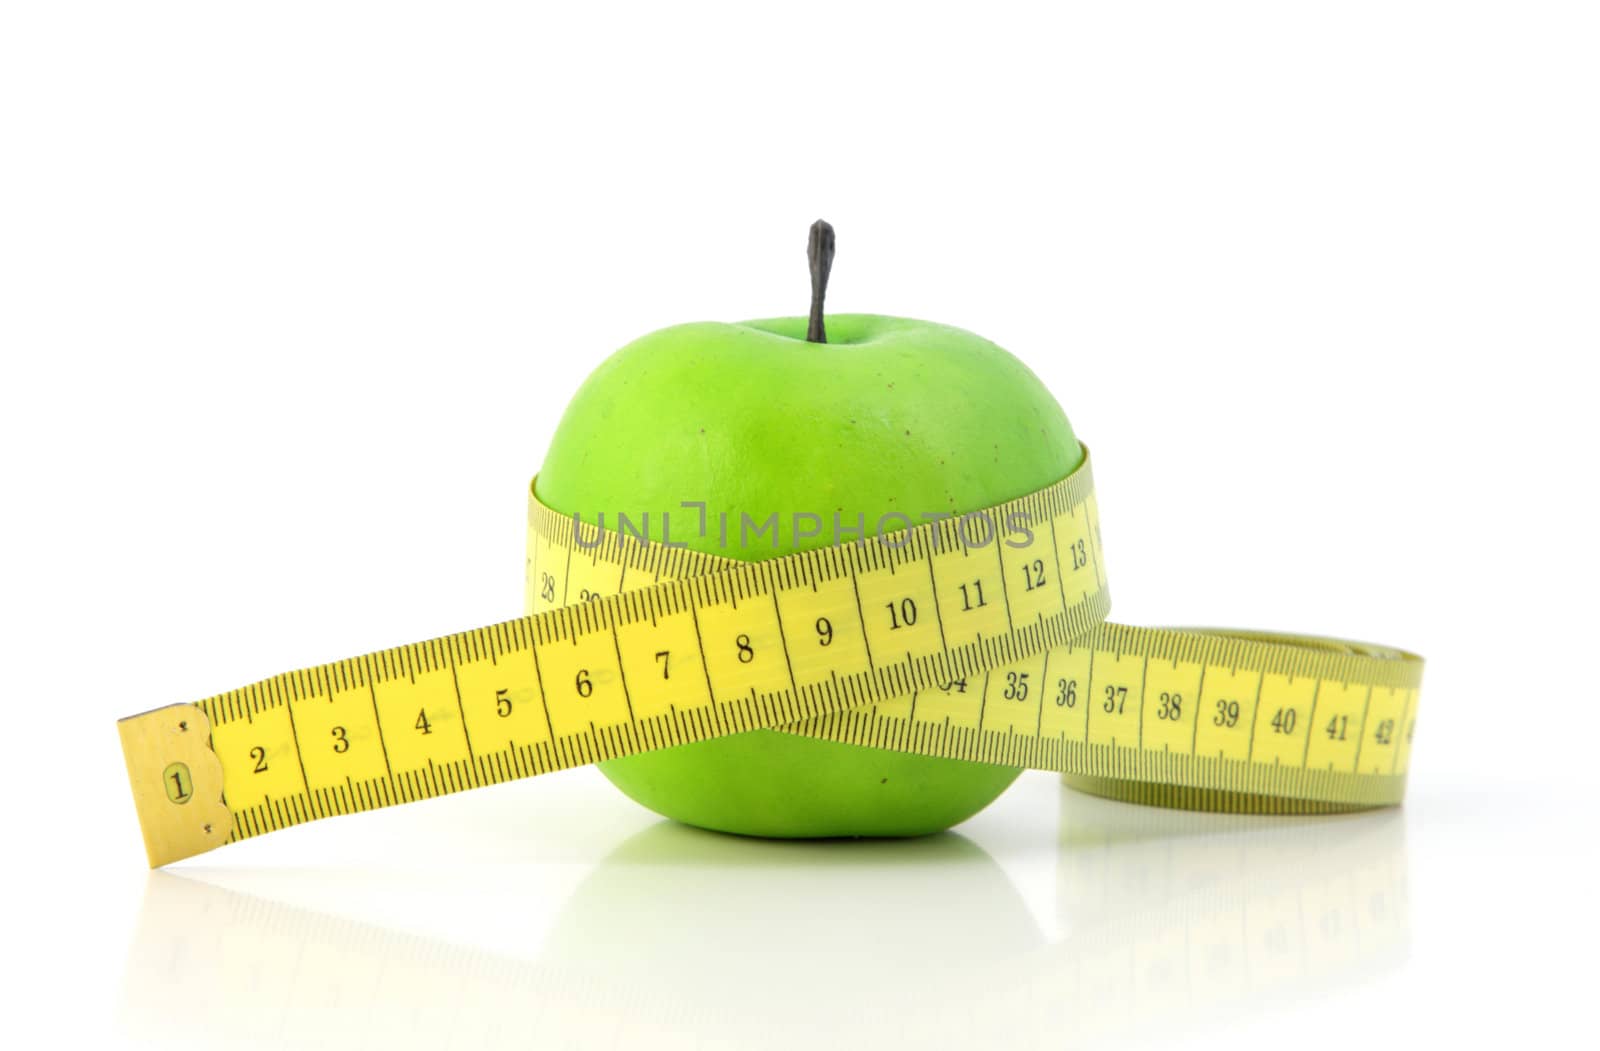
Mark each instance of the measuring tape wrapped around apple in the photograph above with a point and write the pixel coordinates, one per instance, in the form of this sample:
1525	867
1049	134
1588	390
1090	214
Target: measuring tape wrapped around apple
851	587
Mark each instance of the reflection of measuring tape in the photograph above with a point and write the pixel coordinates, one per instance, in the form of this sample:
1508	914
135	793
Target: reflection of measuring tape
1167	922
974	643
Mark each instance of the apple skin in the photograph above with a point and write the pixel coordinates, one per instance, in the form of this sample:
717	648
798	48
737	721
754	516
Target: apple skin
890	415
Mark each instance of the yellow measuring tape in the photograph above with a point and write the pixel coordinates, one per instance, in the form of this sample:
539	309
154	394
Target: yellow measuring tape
979	638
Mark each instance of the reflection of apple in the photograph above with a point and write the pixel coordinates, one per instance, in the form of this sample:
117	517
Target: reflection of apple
723	934
889	416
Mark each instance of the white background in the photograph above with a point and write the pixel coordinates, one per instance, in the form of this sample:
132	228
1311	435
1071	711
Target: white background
292	294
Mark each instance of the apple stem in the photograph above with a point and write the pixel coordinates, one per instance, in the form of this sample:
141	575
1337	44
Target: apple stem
819	251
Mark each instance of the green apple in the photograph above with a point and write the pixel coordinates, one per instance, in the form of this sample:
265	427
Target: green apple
889	416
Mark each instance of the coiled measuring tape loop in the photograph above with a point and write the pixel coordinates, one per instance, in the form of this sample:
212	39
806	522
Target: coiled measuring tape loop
631	646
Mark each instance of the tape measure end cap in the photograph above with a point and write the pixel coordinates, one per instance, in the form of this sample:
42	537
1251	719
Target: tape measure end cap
176	781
